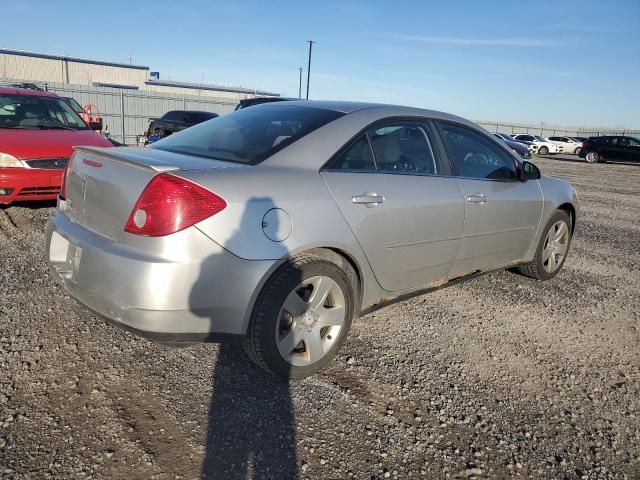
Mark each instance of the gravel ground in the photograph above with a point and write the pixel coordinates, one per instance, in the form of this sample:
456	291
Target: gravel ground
498	377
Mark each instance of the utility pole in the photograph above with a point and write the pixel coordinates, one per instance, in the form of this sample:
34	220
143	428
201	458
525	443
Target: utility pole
300	83
310	42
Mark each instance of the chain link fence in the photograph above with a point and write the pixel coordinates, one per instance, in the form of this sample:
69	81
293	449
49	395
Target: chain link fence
126	112
549	131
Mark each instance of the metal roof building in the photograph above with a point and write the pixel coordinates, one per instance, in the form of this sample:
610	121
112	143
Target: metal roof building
44	67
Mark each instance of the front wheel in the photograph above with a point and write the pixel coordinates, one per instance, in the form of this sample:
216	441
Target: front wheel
302	315
543	151
552	249
592	157
577	151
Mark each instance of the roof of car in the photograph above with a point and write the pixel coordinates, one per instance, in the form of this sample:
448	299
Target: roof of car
201	111
384	109
26	91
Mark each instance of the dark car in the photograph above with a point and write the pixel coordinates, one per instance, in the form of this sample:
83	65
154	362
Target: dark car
250	102
601	149
174	121
519	147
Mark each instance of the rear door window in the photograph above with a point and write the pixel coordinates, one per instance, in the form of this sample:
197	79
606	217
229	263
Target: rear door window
357	157
404	148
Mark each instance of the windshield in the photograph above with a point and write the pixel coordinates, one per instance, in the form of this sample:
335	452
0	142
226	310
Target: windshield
74	104
248	135
33	112
540	138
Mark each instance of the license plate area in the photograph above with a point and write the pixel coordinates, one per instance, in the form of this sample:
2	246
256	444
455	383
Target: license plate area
64	256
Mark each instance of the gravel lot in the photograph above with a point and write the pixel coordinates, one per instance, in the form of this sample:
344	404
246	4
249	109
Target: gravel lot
498	377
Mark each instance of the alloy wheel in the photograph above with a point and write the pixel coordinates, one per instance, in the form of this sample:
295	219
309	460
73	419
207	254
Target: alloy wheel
310	321
555	246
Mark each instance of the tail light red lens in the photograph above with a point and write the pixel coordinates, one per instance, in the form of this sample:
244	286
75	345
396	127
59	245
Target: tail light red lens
169	204
63	181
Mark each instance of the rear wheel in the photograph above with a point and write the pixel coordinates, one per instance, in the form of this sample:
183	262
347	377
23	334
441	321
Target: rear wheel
302	315
592	157
543	150
577	151
552	249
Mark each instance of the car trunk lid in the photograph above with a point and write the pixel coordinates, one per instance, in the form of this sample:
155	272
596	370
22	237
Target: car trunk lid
103	185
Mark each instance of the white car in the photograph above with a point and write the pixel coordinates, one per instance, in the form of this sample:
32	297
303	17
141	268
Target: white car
541	144
569	144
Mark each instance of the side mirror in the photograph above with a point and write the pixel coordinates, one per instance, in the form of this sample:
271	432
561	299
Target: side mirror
529	172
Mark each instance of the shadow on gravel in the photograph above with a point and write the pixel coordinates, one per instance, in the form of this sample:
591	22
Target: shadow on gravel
34	205
251	427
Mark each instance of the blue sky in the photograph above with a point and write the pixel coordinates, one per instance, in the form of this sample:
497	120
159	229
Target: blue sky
573	62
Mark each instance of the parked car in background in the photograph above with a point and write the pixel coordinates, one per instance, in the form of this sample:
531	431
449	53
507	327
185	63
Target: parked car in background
250	102
276	226
568	144
541	144
505	136
520	148
38	131
581	139
172	122
609	147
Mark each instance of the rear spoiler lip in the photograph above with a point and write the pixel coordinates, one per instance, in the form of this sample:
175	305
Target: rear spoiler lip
105	153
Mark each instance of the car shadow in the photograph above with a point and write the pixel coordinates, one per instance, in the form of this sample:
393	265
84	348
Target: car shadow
251	424
33	205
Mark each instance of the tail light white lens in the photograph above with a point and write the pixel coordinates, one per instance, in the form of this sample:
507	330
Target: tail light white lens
169	204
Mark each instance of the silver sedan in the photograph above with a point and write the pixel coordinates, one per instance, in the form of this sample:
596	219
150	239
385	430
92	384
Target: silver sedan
276	225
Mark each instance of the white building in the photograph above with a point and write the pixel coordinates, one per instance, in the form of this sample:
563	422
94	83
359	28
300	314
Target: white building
18	65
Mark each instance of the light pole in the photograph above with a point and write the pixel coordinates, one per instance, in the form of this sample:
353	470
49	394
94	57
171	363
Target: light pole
310	42
300	83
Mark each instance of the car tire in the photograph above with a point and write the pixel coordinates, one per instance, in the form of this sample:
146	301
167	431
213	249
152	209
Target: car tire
541	267
577	151
592	157
271	323
543	150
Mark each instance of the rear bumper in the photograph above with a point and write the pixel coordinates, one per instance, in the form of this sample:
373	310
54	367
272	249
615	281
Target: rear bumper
26	184
206	295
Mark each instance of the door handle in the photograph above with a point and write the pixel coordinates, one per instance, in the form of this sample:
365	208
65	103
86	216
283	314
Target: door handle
479	198
369	199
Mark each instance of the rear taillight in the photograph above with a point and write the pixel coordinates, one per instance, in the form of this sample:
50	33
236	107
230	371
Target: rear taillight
169	204
63	181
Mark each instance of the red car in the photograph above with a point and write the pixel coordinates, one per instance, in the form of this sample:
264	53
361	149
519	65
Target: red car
38	131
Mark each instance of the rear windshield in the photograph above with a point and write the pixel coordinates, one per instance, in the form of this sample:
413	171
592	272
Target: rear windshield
248	135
